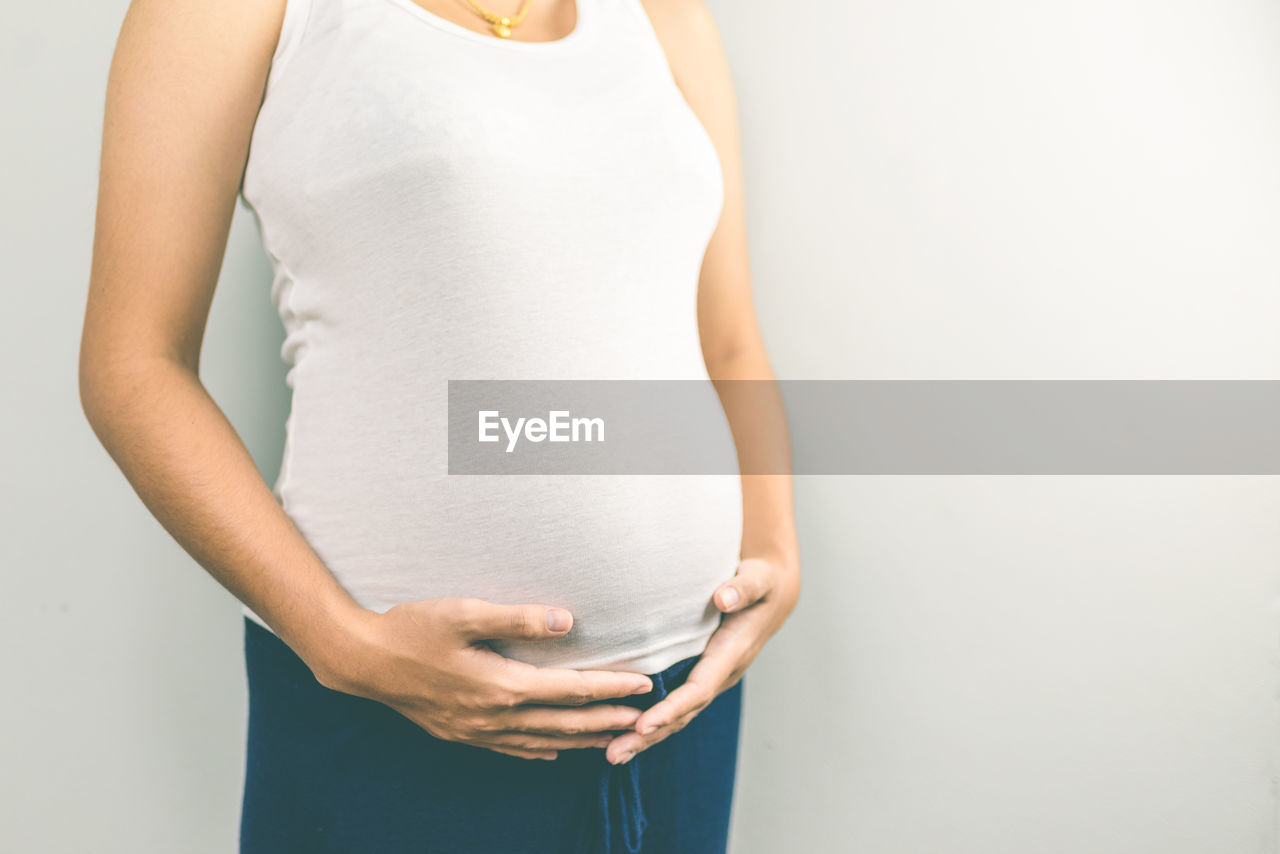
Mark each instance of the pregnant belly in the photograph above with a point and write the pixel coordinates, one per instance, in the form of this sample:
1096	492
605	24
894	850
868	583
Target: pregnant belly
635	558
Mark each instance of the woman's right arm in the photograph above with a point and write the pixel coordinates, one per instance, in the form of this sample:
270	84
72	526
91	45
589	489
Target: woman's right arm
183	92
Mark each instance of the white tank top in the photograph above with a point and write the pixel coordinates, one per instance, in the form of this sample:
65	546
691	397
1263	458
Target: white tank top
442	204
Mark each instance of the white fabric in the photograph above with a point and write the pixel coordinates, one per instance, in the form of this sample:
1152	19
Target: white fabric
441	204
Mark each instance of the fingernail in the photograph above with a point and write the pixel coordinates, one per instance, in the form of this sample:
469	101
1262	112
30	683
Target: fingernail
624	758
557	620
729	597
644	689
648	729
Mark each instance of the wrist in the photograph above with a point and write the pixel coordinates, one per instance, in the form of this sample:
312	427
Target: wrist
335	641
785	560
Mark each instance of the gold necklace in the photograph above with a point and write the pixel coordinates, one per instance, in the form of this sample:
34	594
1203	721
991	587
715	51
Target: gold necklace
502	26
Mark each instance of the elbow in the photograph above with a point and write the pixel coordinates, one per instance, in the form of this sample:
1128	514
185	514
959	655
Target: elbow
88	384
93	388
741	358
734	348
102	383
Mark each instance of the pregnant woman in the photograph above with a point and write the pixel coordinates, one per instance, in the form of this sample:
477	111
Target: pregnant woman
546	189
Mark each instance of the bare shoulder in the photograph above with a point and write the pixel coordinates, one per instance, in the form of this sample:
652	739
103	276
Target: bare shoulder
681	18
253	25
690	38
222	48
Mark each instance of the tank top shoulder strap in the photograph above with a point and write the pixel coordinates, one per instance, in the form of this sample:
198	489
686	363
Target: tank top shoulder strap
306	21
632	10
631	17
296	15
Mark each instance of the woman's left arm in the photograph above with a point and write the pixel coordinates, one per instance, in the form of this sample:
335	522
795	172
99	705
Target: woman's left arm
766	587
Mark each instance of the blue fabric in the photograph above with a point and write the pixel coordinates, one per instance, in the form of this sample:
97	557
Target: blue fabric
329	773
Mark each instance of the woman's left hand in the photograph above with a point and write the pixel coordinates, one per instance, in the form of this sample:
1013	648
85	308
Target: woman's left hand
755	603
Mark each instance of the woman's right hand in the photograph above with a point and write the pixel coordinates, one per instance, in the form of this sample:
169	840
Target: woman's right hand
427	660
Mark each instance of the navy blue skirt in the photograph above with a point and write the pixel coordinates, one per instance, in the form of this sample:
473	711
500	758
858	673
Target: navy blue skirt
331	773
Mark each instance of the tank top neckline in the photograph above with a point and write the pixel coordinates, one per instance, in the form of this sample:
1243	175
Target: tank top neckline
583	20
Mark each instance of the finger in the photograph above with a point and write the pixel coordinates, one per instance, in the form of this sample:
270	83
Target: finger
534	741
714	668
522	754
672	712
689	697
751	583
628	744
477	619
552	720
558	686
718	667
679	707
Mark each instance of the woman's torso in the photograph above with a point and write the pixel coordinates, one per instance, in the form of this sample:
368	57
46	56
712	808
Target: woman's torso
440	204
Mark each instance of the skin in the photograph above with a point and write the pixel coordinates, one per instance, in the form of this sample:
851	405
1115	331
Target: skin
185	84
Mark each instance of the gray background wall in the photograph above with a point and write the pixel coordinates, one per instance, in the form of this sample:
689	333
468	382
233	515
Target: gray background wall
979	665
